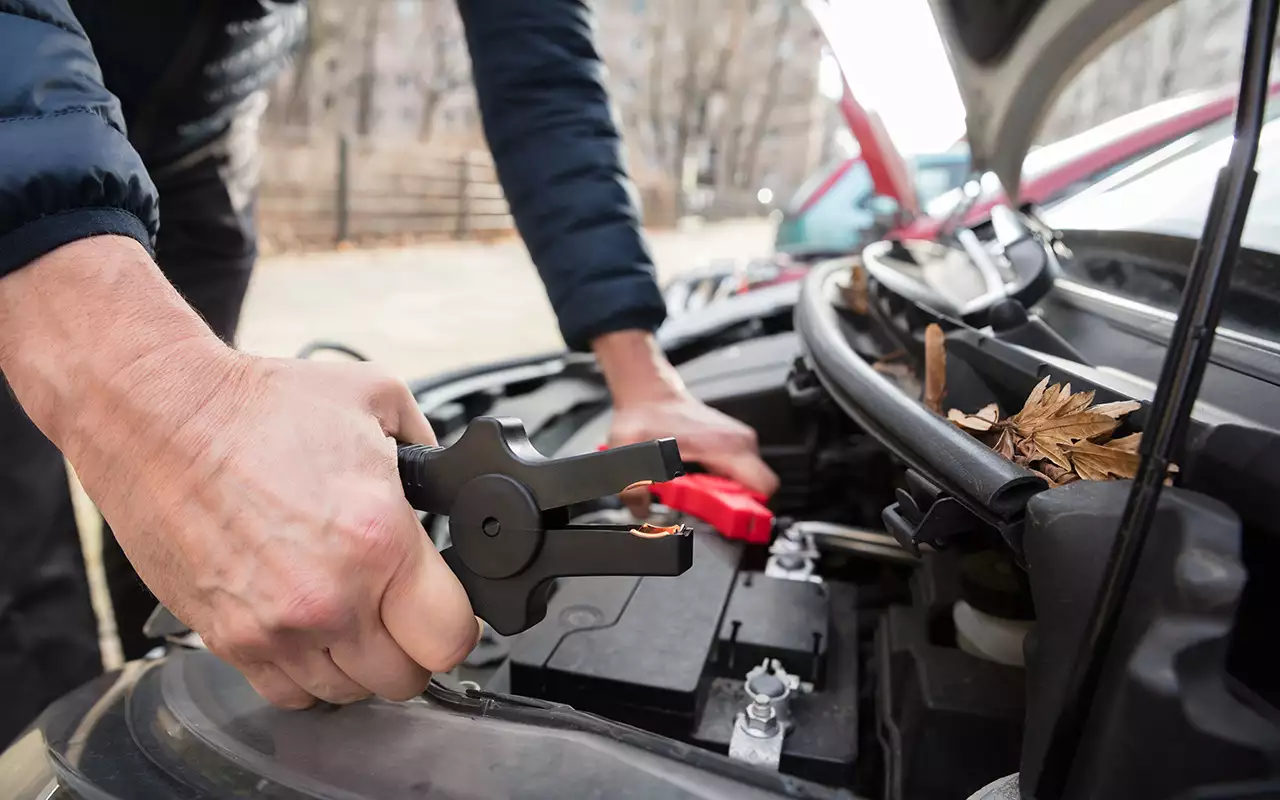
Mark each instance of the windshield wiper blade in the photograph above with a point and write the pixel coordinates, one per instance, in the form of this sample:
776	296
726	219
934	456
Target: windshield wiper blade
1180	379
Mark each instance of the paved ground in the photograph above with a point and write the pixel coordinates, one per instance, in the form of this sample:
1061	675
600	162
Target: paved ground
419	310
433	307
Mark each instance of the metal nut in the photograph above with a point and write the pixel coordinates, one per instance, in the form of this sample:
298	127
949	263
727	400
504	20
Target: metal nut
761	720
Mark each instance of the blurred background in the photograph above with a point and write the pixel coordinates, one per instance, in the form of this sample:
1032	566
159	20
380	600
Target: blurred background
381	218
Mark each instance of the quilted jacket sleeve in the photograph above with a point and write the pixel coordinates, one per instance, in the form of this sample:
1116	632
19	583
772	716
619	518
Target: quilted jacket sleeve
67	170
550	126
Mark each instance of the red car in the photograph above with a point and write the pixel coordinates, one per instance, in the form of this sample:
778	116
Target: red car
1055	171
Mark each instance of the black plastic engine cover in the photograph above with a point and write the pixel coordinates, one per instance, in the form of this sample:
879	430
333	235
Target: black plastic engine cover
775	618
1166	687
950	722
631	649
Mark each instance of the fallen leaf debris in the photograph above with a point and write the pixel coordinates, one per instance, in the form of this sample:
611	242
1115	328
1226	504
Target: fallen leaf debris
856	289
1059	435
935	367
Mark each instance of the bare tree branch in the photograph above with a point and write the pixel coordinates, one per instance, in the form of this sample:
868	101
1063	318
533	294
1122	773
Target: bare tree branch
1167	81
445	70
368	79
772	86
657	58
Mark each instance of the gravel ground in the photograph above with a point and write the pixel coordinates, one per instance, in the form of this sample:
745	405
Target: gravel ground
418	310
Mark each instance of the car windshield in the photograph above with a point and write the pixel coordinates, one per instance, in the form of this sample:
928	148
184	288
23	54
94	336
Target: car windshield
846	182
1048	158
1168	194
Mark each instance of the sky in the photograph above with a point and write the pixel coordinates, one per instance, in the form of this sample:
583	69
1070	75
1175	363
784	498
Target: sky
897	66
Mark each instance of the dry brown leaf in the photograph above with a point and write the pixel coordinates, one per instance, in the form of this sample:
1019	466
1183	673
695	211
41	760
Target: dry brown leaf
1037	394
1049	446
1025	451
1097	462
1085	425
935	367
1043	477
1060	435
1076	403
987	418
1004	445
1117	409
972	422
855	291
1056	475
1128	443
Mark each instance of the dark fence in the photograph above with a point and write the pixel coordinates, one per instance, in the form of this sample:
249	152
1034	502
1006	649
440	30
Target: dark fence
318	193
339	190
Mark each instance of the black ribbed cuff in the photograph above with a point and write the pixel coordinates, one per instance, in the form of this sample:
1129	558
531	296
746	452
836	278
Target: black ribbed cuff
620	304
23	245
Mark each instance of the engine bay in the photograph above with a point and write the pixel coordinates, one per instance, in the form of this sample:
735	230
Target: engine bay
921	596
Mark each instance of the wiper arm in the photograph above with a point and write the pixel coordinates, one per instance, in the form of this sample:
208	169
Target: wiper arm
971	191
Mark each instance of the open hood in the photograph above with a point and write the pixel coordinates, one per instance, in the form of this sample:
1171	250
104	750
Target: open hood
890	174
1011	61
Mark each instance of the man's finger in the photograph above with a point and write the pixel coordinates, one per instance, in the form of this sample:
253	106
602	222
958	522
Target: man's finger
426	609
637	501
747	469
398	412
275	686
373	659
314	671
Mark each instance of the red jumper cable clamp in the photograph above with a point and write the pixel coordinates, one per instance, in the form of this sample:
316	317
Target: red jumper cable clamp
726	505
735	511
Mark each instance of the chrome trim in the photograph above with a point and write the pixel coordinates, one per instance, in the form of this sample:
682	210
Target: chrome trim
1132	306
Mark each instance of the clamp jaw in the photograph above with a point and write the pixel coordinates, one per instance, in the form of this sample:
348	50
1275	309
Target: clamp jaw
508	516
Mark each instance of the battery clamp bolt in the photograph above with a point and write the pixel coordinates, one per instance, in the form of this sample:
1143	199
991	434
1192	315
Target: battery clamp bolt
760	719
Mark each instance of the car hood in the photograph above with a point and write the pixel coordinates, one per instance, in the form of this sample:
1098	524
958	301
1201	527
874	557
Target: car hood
1011	61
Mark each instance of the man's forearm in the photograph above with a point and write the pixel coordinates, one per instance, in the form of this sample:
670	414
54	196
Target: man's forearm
636	369
93	328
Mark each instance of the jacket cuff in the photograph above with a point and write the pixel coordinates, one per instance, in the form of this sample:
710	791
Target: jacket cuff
23	245
627	302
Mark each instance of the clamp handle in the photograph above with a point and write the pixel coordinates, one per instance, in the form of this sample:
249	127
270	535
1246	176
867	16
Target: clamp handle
518	602
433	476
507	507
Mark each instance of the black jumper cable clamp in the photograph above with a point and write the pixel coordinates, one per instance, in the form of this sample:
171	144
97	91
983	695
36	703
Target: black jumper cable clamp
508	508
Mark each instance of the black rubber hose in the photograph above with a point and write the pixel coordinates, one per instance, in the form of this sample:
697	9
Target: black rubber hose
311	348
989	485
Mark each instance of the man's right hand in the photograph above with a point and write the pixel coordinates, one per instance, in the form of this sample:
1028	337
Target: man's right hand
259	499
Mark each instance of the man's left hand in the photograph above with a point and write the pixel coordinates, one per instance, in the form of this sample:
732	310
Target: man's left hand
650	402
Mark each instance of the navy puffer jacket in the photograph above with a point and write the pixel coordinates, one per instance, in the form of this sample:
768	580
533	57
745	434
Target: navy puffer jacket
69	170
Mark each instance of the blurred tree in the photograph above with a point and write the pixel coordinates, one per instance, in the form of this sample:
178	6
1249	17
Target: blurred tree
1191	45
712	89
445	68
368	78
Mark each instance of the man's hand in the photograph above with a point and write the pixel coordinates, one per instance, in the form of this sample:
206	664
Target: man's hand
259	499
650	401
